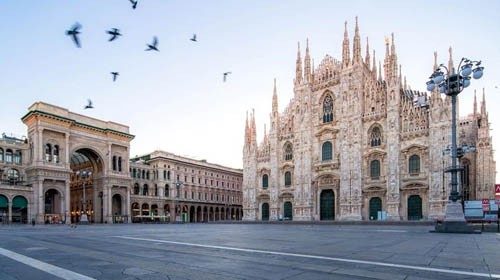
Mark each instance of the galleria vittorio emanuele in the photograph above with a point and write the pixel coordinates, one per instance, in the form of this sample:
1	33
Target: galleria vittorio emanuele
356	143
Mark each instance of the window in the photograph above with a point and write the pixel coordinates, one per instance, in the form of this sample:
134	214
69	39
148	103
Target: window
8	156
375	137
114	163
145	190
120	164
136	188
265	182
326	151
13	176
288	151
414	164
134	172
167	190
147	175
17	157
288	178
164	174
143	174
1	154
48	152
375	169
156	190
328	109
55	154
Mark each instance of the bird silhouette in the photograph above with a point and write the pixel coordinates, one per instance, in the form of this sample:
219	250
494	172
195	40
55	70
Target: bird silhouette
153	46
114	32
73	32
225	76
194	38
114	75
89	105
134	3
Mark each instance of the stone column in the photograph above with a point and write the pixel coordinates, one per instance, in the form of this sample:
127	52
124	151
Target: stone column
39	201
109	215
67	198
10	211
127	207
41	147
105	203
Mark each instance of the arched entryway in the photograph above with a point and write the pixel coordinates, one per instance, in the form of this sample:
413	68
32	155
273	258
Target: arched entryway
205	214
86	165
265	211
53	207
117	208
375	207
287	211
192	215
199	214
4	209
136	212
20	210
414	207
327	205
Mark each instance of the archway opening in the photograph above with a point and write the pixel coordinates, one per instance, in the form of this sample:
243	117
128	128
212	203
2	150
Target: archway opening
327	205
20	210
4	209
288	210
265	211
53	207
87	167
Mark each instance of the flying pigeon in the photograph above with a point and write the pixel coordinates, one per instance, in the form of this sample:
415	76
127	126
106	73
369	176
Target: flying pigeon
134	3
114	75
115	32
194	38
153	47
73	32
89	105
225	75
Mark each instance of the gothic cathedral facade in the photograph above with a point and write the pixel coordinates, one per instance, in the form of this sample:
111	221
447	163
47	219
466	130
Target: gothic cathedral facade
356	143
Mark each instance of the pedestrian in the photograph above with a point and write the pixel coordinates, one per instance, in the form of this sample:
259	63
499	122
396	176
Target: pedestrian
33	222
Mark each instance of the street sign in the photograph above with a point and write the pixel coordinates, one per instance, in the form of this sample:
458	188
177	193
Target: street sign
486	204
497	194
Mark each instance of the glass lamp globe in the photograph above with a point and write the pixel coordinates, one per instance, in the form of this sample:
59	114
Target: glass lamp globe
477	73
466	70
431	85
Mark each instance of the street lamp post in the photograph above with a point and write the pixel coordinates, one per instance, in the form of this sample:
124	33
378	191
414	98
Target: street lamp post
451	83
84	175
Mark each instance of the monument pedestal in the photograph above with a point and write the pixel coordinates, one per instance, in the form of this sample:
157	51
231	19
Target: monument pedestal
454	220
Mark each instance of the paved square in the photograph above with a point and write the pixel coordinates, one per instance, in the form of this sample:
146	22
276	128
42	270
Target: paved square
245	251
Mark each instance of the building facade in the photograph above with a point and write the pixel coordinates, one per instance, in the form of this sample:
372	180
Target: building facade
356	143
198	191
71	165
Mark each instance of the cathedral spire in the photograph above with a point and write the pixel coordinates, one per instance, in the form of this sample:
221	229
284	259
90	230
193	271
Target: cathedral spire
275	98
483	105
367	58
307	64
345	48
356	45
265	133
450	61
298	66
394	58
253	134
387	61
374	66
400	76
475	103
405	87
247	132
379	71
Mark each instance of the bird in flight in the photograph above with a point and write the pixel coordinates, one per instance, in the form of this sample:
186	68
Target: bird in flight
89	105
73	32
114	75
194	38
134	3
114	32
225	76
153	46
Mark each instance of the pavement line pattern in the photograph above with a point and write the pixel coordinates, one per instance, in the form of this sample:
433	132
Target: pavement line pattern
432	269
43	266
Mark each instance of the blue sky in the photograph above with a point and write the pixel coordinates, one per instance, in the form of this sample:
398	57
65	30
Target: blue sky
175	99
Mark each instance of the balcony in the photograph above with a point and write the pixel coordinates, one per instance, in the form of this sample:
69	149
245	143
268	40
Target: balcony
327	165
409	177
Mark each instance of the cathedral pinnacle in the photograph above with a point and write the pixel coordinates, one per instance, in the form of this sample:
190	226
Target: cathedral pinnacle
275	98
374	67
307	64
435	61
356	47
298	67
483	105
475	103
367	58
345	48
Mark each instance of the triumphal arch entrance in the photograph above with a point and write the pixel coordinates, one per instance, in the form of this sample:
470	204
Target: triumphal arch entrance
79	166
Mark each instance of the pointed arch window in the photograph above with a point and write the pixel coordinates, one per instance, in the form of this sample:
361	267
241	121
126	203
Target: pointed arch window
414	165
288	178
1	155
48	152
376	137
326	151
288	152
265	181
328	108
375	169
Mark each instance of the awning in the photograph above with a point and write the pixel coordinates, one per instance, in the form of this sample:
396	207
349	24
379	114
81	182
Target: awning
3	201
19	202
